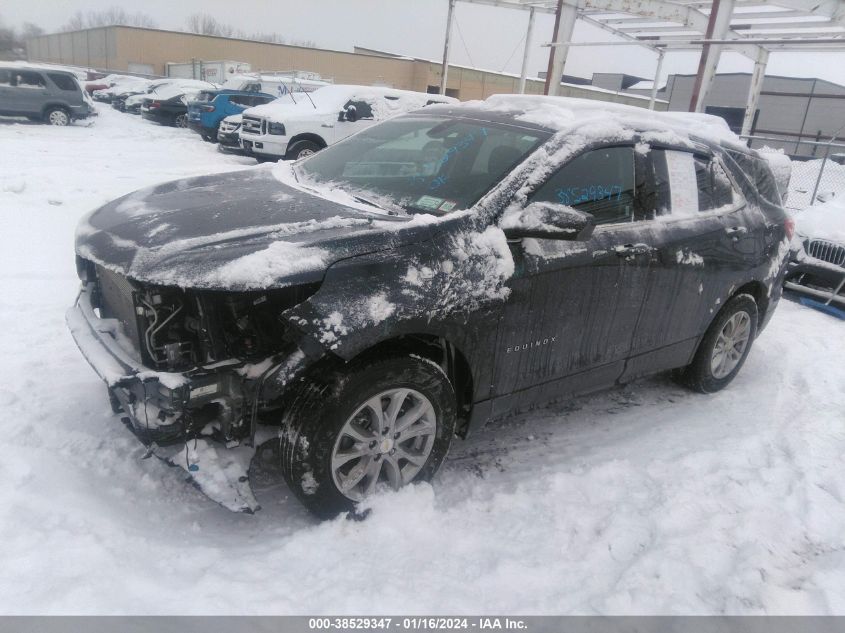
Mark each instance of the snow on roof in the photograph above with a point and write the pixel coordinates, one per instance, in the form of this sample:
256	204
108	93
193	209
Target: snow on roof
560	113
50	68
180	87
331	99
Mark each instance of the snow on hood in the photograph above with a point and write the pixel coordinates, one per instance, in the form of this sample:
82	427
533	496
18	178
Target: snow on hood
329	100
823	221
237	231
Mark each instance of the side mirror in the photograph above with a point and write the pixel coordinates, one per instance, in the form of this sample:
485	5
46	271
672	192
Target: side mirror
547	221
351	113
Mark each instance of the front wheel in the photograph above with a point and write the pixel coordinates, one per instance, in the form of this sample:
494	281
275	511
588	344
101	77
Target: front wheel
301	149
725	346
383	423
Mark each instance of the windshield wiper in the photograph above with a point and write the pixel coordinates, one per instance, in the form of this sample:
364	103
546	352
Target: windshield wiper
373	204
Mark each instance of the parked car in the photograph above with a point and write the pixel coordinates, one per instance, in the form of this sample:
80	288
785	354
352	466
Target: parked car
125	85
102	84
296	126
168	105
42	94
817	263
212	106
228	135
405	285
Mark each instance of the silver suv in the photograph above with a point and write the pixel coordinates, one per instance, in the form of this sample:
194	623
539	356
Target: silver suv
42	94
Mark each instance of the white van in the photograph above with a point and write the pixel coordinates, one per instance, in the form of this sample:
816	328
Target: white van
278	83
300	124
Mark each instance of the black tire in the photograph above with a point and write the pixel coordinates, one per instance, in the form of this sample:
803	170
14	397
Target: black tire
313	422
699	375
180	120
301	149
208	138
57	116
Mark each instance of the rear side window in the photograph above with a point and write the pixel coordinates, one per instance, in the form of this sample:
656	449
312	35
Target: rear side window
63	82
685	183
5	77
205	96
27	79
601	182
262	100
760	174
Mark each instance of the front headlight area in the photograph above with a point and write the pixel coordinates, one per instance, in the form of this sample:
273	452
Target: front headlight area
275	128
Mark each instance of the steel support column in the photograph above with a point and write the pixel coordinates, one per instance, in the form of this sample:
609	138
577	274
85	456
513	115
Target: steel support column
527	51
565	19
755	89
718	27
444	72
657	72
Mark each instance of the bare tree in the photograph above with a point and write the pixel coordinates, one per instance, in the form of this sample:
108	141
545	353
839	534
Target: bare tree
30	30
108	17
206	24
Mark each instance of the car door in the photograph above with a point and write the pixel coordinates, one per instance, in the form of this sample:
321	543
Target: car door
7	92
568	324
699	242
29	91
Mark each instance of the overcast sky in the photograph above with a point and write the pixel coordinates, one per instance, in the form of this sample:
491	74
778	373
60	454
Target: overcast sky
486	37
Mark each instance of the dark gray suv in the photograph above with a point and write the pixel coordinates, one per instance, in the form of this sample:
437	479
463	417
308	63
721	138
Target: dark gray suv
438	270
42	94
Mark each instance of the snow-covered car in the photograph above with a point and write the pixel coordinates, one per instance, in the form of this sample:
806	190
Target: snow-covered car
817	265
366	304
43	93
297	125
228	134
168	104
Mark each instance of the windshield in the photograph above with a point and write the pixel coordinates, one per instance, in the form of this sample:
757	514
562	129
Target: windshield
431	164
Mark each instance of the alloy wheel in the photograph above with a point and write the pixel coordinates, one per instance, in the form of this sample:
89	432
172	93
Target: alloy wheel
388	438
730	344
58	117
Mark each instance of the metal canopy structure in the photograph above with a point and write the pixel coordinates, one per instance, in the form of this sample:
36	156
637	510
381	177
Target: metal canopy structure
753	28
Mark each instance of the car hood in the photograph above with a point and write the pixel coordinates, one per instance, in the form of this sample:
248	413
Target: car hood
237	231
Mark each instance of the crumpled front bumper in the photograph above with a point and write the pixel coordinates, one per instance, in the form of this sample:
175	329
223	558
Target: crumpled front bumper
159	405
153	401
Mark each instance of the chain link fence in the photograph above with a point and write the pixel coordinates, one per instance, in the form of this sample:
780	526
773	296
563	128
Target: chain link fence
814	180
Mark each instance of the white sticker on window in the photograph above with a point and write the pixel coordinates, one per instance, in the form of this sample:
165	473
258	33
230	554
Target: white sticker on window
682	183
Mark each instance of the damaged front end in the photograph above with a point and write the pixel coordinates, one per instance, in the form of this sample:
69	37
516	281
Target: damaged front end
191	371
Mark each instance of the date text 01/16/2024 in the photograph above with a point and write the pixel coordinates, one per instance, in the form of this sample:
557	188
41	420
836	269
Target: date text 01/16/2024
417	623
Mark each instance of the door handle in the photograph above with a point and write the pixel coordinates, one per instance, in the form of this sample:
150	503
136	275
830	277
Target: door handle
736	230
327	125
627	250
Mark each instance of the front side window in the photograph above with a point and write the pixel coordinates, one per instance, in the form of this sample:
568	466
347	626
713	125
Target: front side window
5	77
601	182
363	109
424	164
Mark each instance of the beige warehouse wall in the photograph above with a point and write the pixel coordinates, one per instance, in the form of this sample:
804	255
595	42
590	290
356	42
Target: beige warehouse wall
115	48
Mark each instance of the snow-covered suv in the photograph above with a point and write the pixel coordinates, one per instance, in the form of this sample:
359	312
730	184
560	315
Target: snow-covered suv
300	124
368	303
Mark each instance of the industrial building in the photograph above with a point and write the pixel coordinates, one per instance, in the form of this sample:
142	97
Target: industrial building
148	51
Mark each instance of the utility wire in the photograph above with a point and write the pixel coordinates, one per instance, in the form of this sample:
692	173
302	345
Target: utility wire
513	52
463	41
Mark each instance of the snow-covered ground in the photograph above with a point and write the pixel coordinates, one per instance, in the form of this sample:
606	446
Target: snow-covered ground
647	499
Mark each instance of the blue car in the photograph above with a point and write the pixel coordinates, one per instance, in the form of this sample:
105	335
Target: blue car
212	106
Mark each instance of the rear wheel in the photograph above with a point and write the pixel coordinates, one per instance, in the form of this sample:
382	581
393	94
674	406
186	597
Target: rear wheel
725	346
301	149
57	116
384	423
180	120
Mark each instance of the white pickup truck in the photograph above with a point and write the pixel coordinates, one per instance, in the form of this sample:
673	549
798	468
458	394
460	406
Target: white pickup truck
300	124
